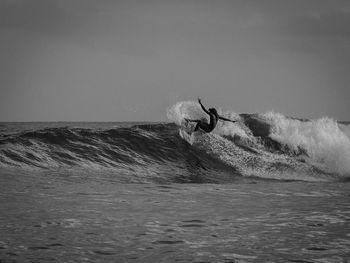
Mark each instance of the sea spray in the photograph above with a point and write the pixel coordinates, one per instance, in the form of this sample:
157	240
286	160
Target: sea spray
322	139
185	109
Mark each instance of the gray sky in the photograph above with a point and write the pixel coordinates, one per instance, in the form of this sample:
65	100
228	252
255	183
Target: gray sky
89	60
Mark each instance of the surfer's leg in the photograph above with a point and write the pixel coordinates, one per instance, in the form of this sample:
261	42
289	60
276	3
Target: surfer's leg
204	126
197	126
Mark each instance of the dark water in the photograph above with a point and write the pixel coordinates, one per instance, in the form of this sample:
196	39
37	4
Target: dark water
138	192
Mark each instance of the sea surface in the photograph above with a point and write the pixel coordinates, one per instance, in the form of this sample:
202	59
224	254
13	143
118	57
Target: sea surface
267	188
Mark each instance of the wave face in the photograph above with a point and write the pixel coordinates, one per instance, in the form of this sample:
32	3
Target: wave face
268	145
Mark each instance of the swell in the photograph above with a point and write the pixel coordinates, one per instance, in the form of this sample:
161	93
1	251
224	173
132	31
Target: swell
267	145
140	153
78	146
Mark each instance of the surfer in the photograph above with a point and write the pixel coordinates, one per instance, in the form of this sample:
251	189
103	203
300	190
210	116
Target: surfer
214	118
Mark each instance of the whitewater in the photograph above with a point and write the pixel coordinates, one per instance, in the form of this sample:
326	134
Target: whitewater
267	188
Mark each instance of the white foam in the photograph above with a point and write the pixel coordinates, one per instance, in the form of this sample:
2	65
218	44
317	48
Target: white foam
322	138
264	164
185	109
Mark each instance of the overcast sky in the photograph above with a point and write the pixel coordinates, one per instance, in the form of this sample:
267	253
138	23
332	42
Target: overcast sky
99	60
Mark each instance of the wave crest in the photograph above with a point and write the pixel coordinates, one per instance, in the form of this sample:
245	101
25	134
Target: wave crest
323	140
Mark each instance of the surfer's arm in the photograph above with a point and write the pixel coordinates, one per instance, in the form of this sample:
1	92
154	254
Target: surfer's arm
224	119
203	108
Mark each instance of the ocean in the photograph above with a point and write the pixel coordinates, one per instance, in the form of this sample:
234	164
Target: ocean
267	188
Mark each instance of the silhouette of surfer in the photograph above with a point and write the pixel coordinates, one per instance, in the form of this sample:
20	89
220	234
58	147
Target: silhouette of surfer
214	118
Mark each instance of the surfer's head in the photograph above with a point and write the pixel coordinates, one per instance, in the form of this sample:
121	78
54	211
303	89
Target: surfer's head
213	111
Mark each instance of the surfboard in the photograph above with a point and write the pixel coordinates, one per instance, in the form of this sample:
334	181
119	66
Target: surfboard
186	131
187	137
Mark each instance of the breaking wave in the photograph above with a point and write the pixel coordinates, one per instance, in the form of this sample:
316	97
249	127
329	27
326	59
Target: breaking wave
271	145
268	145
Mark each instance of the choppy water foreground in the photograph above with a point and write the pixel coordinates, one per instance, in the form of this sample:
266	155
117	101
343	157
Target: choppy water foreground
74	219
